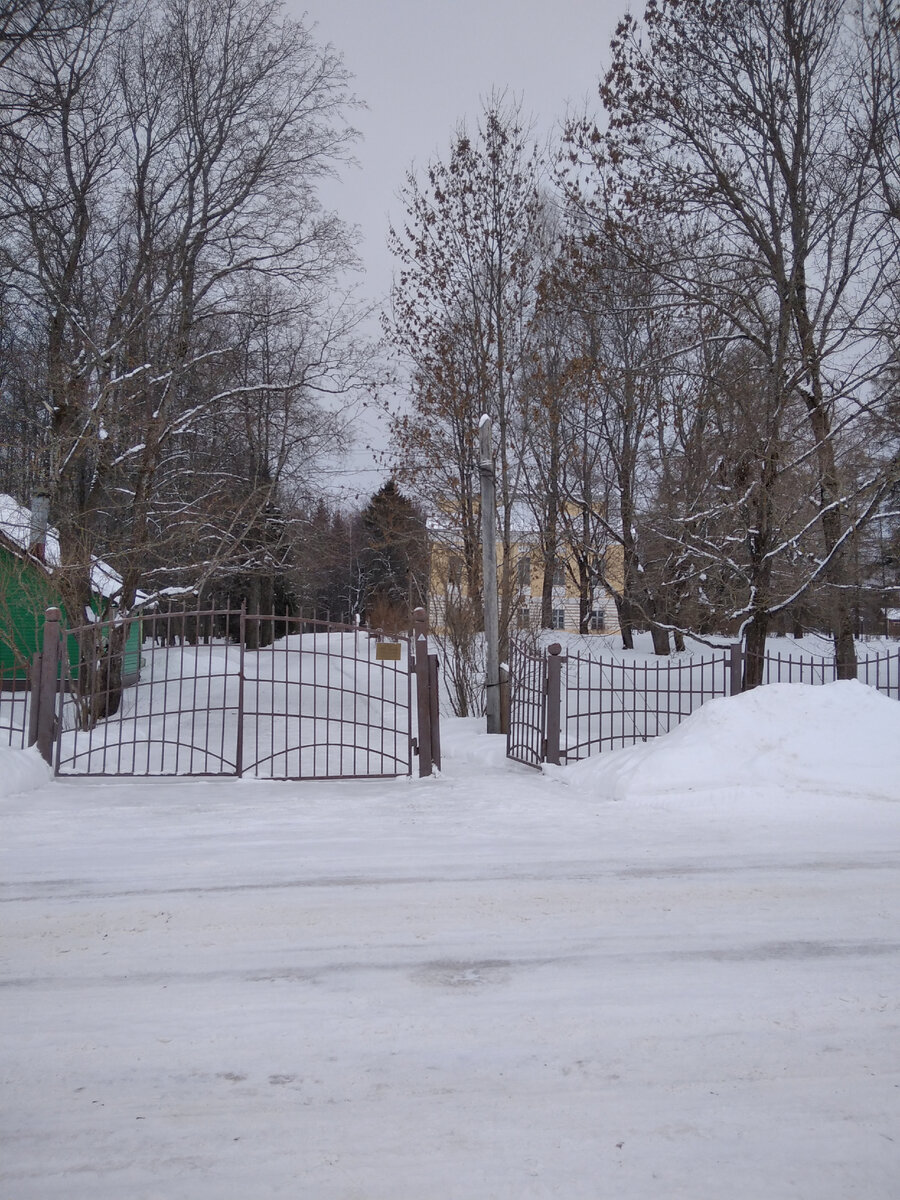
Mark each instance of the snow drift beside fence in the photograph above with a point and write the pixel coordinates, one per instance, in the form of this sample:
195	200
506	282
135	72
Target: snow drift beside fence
21	771
838	739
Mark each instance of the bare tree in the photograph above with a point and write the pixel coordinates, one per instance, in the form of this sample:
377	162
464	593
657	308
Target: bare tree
740	116
159	188
566	460
469	255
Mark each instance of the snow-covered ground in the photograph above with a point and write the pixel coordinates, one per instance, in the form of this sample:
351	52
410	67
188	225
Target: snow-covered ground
496	983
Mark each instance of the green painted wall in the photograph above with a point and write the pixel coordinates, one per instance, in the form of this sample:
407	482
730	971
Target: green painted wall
25	593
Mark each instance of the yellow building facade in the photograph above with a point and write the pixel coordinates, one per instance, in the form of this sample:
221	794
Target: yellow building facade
447	585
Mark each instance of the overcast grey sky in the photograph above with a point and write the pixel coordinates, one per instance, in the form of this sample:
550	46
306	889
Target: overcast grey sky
423	65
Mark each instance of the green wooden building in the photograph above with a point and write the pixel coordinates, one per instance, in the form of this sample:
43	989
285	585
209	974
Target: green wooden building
27	559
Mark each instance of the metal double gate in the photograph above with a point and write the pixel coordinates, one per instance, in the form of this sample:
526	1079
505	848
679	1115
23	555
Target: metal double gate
221	692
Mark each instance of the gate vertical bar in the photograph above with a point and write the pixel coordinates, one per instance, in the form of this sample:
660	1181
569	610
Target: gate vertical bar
239	748
409	703
513	651
423	702
50	657
600	694
554	702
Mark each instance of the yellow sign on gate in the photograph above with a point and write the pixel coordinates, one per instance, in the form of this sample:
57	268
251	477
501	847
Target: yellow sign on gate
387	651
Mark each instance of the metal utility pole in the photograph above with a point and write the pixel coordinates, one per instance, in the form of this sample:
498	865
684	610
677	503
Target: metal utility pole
489	575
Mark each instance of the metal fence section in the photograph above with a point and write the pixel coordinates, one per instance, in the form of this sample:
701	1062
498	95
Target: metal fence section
567	707
610	705
528	680
880	671
221	692
15	708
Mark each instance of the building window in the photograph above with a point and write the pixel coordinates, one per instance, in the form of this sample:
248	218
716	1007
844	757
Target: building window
596	624
558	618
454	571
559	573
525	574
523	619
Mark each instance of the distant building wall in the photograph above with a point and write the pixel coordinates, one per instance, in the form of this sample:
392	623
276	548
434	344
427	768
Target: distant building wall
447	586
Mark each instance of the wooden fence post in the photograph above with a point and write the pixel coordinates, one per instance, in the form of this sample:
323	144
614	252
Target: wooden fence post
736	664
34	707
49	685
423	691
554	703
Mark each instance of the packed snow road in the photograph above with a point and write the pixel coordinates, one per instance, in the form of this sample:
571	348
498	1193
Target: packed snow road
491	984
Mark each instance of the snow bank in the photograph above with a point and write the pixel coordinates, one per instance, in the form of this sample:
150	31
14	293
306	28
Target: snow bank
840	738
21	771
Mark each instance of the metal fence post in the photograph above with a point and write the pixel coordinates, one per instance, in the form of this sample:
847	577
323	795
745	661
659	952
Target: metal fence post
554	703
736	664
434	700
423	700
49	685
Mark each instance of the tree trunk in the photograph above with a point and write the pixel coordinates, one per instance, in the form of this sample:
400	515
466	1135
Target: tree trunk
631	575
547	589
267	606
755	650
251	627
844	644
660	637
831	520
626	628
584	596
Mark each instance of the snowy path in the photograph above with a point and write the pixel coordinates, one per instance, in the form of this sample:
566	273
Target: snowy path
487	985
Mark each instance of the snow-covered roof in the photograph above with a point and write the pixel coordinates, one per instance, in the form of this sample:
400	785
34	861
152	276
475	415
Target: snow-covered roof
15	524
892	614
